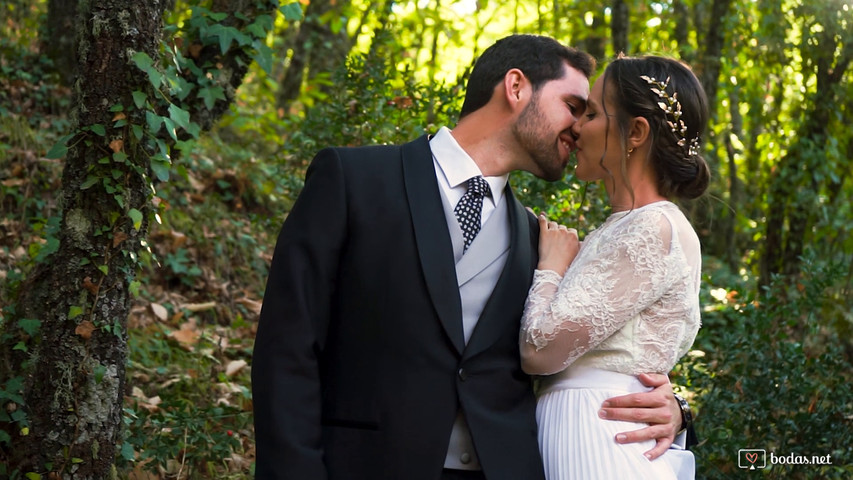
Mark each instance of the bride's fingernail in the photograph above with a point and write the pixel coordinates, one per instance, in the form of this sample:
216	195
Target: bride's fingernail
602	413
621	438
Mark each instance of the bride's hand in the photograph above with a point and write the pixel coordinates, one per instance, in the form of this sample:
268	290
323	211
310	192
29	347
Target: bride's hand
558	246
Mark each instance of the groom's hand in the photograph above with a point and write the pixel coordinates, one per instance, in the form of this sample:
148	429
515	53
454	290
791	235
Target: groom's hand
658	408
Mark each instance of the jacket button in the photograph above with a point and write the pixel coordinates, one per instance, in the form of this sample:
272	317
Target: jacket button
465	458
463	375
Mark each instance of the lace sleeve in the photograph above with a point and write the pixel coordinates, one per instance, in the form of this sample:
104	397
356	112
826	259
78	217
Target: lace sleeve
604	288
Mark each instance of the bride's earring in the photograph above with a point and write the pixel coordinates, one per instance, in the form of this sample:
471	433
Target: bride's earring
630	151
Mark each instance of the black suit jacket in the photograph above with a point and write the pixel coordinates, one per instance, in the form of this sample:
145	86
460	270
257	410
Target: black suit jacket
359	365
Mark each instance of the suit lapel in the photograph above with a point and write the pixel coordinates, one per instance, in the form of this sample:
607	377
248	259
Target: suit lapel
432	237
511	290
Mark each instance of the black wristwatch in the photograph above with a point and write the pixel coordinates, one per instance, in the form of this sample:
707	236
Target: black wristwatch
686	414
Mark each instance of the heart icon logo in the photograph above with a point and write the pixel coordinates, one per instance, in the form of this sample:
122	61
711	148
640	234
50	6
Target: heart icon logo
752	457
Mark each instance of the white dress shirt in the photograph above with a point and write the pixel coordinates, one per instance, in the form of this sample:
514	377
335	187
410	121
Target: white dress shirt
453	168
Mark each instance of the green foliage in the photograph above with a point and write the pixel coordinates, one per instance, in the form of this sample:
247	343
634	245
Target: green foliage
197	422
182	266
769	373
197	439
373	103
570	201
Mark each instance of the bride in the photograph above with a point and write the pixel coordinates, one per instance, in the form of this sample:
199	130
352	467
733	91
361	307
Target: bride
626	300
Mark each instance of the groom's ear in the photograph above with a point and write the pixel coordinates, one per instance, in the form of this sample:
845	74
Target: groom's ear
639	132
514	87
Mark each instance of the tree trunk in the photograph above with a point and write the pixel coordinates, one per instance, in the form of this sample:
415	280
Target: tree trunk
60	38
803	172
713	50
81	294
596	42
708	71
730	247
682	31
318	50
620	25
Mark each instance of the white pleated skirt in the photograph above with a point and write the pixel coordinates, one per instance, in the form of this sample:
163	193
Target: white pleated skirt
577	444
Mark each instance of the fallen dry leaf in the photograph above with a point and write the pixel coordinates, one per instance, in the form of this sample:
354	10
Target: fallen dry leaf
187	336
90	286
118	237
253	306
85	329
198	307
234	366
116	145
159	311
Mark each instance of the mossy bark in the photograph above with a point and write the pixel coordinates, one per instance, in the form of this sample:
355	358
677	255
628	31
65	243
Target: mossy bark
75	378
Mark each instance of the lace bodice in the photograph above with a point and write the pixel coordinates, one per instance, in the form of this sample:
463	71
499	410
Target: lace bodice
628	303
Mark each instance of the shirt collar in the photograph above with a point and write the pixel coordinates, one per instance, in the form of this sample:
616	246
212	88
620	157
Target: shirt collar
458	166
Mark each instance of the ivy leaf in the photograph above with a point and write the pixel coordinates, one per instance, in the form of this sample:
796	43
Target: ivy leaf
99	372
193	129
242	38
225	34
180	116
265	22
292	11
153	121
170	127
98	129
74	312
139	99
142	60
29	325
134	288
155	77
256	30
11	391
60	148
126	451
182	88
48	248
90	180
136	216
160	167
263	56
210	95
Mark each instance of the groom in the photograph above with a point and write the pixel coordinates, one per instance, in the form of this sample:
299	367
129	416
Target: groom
388	341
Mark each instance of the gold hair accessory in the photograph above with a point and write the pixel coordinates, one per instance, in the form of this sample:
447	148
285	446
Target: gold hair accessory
672	107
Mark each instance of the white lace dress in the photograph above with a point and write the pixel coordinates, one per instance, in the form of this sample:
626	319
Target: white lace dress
628	304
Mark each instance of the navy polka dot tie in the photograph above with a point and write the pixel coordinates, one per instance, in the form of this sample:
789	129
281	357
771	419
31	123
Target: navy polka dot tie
470	207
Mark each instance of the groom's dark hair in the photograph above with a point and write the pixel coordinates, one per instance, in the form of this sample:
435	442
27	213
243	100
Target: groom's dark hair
541	59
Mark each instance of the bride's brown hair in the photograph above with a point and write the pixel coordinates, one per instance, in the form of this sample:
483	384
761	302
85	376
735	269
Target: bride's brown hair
630	85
